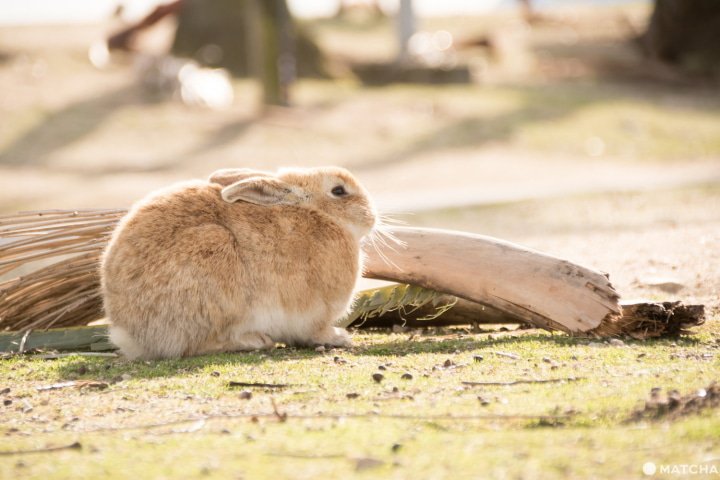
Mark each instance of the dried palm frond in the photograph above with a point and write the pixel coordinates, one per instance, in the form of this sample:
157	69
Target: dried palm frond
56	254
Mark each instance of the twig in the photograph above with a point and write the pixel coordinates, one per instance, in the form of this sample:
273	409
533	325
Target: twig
262	385
282	417
72	446
308	456
56	386
77	384
330	416
195	427
21	348
507	355
519	382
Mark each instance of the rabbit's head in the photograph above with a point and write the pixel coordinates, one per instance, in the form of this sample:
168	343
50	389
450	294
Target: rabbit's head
332	190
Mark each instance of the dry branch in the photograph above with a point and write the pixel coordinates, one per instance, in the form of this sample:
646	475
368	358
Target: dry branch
72	446
233	383
254	416
545	291
522	382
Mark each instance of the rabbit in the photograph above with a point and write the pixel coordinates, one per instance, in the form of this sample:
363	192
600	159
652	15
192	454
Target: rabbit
236	263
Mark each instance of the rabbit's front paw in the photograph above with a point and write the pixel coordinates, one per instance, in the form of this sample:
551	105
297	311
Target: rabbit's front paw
252	341
332	337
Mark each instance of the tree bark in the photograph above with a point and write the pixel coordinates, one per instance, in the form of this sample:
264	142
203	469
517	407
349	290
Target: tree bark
218	33
275	40
685	33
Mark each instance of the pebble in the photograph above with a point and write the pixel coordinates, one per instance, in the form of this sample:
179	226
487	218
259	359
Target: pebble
320	348
616	342
245	395
378	377
406	376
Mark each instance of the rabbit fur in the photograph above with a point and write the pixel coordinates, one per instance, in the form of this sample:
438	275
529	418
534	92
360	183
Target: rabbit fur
238	262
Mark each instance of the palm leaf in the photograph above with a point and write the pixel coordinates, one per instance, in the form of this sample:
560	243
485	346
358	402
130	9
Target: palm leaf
76	338
49	267
402	298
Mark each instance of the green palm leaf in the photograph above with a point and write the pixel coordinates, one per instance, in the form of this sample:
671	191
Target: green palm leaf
399	297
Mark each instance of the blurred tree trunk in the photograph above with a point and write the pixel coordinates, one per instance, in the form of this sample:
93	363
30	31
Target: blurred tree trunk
276	63
222	33
686	33
405	28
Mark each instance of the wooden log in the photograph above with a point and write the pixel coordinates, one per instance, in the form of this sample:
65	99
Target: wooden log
539	289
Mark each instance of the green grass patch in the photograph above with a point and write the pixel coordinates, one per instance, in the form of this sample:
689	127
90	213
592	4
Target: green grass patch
182	419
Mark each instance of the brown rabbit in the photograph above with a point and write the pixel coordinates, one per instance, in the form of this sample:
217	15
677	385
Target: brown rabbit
240	262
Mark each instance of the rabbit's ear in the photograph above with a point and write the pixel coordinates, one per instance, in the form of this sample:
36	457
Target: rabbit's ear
262	191
226	176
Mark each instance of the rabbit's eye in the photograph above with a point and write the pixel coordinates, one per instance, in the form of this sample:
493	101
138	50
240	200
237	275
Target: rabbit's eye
339	191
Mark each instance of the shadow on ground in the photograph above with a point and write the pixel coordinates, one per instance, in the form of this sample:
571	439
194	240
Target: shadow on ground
69	125
111	369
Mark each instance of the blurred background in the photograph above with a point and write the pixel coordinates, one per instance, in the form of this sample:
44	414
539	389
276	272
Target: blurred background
587	129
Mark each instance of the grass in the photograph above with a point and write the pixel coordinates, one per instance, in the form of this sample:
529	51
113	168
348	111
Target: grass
448	431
